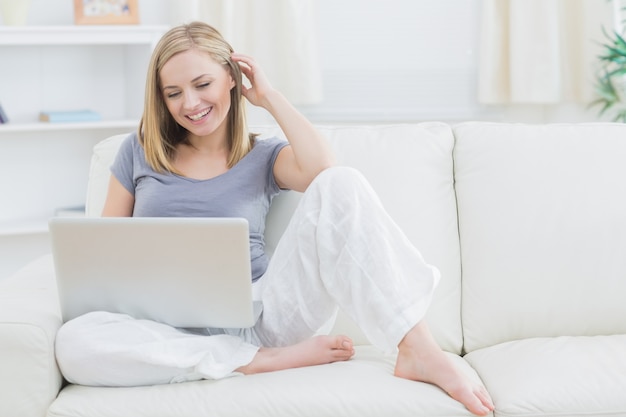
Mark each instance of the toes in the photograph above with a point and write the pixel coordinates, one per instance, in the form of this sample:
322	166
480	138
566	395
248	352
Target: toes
347	345
342	347
475	405
475	398
479	403
344	354
342	343
485	398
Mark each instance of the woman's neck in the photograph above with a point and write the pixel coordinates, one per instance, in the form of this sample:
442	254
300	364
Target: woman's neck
202	158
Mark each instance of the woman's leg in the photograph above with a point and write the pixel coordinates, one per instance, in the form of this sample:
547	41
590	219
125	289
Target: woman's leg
318	350
421	359
342	248
106	349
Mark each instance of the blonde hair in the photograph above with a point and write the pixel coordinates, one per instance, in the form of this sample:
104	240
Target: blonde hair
159	133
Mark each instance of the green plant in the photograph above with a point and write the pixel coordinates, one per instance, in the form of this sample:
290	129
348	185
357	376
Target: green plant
611	79
610	83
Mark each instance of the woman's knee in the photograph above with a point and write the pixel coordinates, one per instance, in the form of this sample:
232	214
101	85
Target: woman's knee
340	175
343	187
79	346
341	181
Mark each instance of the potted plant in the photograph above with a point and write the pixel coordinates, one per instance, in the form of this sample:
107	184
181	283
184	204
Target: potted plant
610	83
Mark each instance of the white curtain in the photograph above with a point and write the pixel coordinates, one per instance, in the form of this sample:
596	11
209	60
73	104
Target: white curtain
540	51
279	34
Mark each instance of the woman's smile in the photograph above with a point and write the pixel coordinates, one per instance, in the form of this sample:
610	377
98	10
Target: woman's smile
197	117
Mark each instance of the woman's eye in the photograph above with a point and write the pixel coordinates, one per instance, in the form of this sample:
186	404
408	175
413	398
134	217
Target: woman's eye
172	95
204	85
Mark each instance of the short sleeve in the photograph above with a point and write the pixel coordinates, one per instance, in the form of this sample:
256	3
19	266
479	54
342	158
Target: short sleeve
123	166
274	146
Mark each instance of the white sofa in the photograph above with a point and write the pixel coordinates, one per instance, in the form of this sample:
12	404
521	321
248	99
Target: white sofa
527	224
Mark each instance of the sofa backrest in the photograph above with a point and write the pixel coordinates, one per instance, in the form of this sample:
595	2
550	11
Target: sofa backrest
542	223
410	167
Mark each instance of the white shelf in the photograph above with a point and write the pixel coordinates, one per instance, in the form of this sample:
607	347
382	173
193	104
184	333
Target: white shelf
30	226
51	127
81	35
19	227
75	66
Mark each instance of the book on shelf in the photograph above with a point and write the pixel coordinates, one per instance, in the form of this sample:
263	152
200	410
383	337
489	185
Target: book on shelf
69	116
3	116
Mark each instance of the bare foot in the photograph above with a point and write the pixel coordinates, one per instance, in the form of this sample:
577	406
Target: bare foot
315	351
421	359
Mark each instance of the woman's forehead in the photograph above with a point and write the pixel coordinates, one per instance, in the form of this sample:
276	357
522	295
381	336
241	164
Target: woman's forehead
190	63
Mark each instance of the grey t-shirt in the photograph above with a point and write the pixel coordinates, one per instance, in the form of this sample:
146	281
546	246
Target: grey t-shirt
246	190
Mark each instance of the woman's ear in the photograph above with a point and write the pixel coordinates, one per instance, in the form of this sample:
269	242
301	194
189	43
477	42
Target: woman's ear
235	73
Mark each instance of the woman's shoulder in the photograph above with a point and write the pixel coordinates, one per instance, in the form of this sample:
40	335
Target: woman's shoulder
131	144
269	143
131	139
130	151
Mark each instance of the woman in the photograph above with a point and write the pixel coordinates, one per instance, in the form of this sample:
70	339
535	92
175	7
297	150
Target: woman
192	156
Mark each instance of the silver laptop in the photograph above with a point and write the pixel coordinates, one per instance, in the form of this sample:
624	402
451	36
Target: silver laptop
185	272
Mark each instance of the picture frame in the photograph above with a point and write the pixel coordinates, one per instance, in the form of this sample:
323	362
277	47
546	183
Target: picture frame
106	12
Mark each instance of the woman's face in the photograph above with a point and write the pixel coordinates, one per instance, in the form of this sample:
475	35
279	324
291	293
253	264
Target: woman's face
196	91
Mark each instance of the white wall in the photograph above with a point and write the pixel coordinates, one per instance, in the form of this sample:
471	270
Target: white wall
382	60
411	60
397	59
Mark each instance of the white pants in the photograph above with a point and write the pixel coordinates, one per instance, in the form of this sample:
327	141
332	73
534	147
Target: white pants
340	248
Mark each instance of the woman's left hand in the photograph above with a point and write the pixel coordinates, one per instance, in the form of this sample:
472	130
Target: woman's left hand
260	87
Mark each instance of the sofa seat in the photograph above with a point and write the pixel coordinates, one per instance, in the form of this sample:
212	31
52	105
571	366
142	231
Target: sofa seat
364	386
555	376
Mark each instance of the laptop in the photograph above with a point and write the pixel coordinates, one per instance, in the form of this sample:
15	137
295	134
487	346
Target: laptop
185	272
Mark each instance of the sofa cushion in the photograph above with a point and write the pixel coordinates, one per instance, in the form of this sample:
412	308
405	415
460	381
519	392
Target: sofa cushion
409	166
562	376
29	320
542	230
98	181
364	386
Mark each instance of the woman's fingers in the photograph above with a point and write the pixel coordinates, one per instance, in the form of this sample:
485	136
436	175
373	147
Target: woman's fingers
259	85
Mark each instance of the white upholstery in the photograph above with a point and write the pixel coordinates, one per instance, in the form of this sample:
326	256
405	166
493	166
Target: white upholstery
556	376
298	391
29	320
542	214
527	224
103	155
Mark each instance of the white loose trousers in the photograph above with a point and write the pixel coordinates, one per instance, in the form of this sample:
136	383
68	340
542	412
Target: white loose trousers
340	249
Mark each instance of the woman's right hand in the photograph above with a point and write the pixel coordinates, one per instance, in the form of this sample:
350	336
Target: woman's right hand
260	88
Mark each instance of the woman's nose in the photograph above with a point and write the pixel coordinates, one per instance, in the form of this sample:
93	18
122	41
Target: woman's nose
191	99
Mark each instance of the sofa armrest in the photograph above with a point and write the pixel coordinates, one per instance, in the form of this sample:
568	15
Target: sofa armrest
29	319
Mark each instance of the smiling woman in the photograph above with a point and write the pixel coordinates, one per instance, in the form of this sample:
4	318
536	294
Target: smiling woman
198	86
196	90
193	157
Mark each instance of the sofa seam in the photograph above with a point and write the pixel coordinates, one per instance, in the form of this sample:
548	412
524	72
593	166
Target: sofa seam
458	233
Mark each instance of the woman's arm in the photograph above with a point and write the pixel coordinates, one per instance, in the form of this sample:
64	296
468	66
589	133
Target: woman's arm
309	153
119	201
